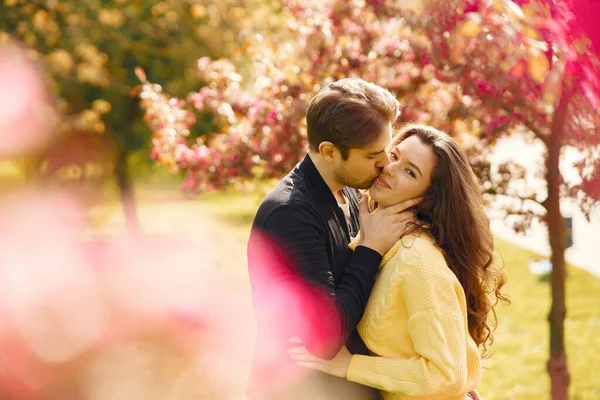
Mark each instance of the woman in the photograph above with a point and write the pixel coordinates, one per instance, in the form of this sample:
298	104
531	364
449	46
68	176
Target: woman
427	320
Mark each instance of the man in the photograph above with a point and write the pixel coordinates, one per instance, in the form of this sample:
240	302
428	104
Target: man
305	280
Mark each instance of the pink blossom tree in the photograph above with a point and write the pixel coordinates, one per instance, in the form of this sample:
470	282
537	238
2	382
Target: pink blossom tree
260	119
530	68
481	70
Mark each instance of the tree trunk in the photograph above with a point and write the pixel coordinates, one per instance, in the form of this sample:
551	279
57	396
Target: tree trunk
557	364
126	191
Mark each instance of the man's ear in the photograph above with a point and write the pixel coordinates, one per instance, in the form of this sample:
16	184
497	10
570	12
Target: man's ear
329	152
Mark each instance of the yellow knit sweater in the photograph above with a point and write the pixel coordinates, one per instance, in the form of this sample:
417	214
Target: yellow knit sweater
415	326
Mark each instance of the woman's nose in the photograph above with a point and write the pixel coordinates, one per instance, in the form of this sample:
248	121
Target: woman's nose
388	169
383	161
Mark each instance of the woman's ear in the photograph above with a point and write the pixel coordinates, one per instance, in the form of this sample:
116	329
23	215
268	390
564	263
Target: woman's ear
329	152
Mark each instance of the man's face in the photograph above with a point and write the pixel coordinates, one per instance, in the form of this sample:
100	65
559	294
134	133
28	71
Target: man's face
364	164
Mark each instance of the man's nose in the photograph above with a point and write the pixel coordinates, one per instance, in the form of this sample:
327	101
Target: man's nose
383	161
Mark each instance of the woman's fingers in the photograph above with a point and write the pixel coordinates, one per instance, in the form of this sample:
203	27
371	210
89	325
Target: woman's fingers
302	354
306	358
295	340
311	365
297	350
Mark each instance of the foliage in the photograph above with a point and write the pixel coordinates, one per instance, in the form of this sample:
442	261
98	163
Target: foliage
512	64
476	69
91	49
261	123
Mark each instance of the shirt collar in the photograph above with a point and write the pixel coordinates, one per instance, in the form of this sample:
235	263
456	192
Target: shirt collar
312	174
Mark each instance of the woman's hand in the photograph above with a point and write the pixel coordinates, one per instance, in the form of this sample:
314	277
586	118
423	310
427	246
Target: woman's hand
474	395
338	366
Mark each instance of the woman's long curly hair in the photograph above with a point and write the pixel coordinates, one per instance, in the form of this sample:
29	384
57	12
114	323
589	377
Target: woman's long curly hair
454	210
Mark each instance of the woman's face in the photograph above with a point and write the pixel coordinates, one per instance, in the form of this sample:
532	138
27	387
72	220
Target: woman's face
408	175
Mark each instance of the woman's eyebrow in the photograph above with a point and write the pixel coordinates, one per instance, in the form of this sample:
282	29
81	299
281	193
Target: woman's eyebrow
415	167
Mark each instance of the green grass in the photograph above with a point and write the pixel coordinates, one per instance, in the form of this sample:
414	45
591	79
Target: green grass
12	175
516	369
234	209
517	366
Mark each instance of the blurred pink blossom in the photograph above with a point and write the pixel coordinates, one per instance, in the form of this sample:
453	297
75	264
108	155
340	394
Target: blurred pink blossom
96	313
26	119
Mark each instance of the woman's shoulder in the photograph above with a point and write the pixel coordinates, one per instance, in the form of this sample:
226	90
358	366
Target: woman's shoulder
418	244
419	250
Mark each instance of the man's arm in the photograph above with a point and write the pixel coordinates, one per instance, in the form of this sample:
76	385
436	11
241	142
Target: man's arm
292	248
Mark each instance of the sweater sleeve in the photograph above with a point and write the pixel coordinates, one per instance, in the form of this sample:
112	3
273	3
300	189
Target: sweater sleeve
438	333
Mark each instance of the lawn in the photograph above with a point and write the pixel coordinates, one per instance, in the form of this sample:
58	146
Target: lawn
516	369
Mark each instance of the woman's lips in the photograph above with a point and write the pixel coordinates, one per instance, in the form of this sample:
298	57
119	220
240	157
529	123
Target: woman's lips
381	182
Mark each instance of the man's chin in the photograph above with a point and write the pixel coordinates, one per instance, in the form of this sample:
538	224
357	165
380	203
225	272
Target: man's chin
366	185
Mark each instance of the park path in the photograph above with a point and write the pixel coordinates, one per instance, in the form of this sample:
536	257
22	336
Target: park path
223	246
223	242
219	246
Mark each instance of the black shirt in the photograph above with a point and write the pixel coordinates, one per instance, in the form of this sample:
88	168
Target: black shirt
305	280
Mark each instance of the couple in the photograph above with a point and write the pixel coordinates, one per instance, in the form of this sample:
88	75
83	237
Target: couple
396	310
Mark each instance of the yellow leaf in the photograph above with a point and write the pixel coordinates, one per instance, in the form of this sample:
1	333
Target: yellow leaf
471	26
4	37
73	19
159	8
30	39
537	65
102	106
113	18
457	49
237	13
416	6
39	19
32	54
22	27
552	87
99	127
529	10
198	11
532	33
582	44
104	17
60	61
89	116
505	65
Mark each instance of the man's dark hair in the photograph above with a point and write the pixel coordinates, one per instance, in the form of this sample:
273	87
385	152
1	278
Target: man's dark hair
349	113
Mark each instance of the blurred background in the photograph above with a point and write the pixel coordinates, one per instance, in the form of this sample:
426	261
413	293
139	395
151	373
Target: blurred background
137	139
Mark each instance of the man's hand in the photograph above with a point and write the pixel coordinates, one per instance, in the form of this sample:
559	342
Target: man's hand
381	230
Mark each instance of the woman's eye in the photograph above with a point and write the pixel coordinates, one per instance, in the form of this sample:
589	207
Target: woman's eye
410	173
393	156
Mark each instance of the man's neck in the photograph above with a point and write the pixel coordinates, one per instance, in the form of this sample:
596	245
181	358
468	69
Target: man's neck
328	176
